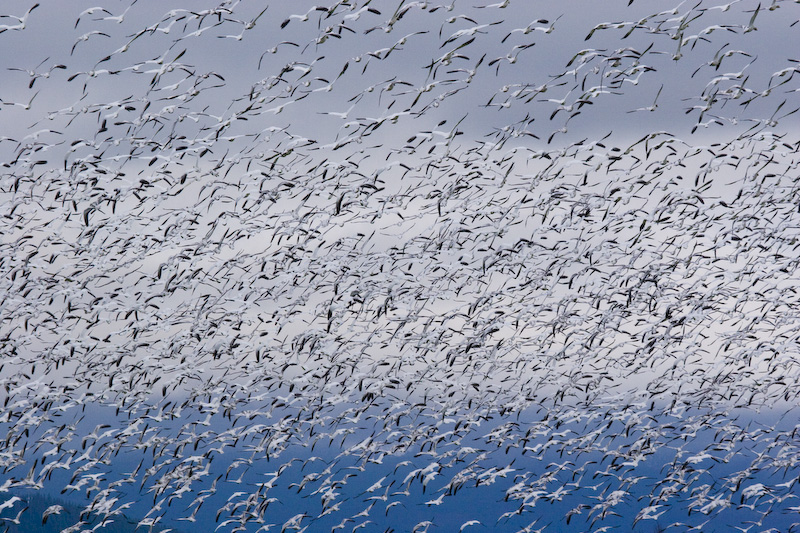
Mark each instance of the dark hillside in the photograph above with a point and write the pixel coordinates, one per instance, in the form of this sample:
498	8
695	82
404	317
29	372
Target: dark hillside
27	515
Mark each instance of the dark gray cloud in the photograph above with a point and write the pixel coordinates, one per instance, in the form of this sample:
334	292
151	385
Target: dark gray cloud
470	237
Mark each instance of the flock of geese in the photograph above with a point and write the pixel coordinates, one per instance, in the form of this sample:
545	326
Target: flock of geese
401	266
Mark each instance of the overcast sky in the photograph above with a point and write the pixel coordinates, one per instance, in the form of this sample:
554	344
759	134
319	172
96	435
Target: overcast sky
472	207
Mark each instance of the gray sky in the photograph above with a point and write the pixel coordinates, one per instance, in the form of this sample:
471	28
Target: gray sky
372	131
508	204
